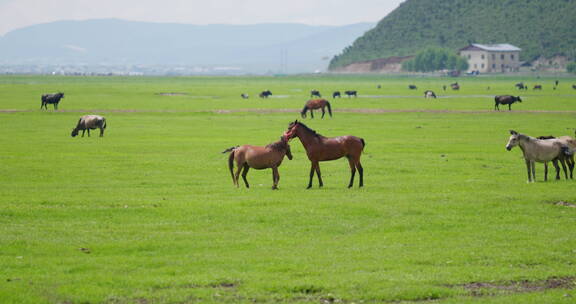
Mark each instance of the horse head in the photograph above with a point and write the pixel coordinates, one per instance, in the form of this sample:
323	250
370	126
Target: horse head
74	132
513	140
284	140
291	132
518	99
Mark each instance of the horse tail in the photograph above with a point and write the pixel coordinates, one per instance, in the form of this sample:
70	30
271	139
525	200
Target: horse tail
103	123
229	149
304	110
363	143
329	108
231	165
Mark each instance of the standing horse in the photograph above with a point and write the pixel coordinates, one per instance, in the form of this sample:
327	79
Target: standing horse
538	150
505	100
313	104
567	157
257	157
320	148
88	122
51	98
315	93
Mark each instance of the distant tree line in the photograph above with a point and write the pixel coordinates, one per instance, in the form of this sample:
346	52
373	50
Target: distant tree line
435	59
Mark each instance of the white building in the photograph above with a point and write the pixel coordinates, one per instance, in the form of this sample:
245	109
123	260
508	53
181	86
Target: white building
494	58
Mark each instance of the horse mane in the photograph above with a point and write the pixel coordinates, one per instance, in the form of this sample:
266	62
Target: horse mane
280	146
310	130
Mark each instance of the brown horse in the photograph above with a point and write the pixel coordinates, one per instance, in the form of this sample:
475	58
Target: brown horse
320	148
257	157
316	104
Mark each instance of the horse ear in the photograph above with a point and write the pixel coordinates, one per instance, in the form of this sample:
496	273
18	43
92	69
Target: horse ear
513	132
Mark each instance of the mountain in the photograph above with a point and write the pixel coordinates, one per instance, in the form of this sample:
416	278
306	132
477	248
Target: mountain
255	48
539	27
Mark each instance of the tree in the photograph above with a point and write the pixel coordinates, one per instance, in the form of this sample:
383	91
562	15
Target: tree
435	59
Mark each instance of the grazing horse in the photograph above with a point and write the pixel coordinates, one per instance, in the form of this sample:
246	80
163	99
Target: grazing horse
537	87
336	94
429	94
569	159
265	94
505	100
351	93
455	86
257	157
51	98
315	93
412	87
88	122
244	96
538	150
313	104
320	148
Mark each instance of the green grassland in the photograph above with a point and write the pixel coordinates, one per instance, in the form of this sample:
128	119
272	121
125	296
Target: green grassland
149	214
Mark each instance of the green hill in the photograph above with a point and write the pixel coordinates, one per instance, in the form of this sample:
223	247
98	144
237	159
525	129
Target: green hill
539	27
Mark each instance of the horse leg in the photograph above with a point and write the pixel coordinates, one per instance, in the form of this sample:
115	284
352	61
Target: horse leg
557	168
236	176
319	175
323	112
533	166
83	133
56	106
352	164
312	113
275	178
88	132
563	163
360	172
244	173
311	175
509	107
545	171
528	169
571	165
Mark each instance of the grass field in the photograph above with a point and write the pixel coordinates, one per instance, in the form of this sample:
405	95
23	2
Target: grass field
149	214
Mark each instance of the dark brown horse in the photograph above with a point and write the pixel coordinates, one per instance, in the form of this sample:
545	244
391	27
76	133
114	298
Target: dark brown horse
320	148
505	100
257	157
313	104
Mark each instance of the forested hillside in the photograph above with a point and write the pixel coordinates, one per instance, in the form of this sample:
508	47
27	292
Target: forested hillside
539	27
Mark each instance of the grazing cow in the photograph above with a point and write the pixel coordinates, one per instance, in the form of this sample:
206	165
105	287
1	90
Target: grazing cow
88	122
537	87
351	93
245	96
336	94
315	93
412	87
429	94
265	94
574	86
505	99
51	98
455	86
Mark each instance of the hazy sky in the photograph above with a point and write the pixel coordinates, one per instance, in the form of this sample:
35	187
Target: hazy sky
20	13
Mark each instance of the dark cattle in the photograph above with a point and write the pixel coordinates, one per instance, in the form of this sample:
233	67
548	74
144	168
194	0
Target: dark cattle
537	87
315	93
505	100
412	87
51	98
265	94
336	94
351	93
574	86
245	96
455	86
429	94
520	86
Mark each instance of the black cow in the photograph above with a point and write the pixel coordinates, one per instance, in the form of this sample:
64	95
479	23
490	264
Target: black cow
505	99
51	98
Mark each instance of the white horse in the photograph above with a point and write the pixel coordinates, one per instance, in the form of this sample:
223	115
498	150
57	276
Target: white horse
539	150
